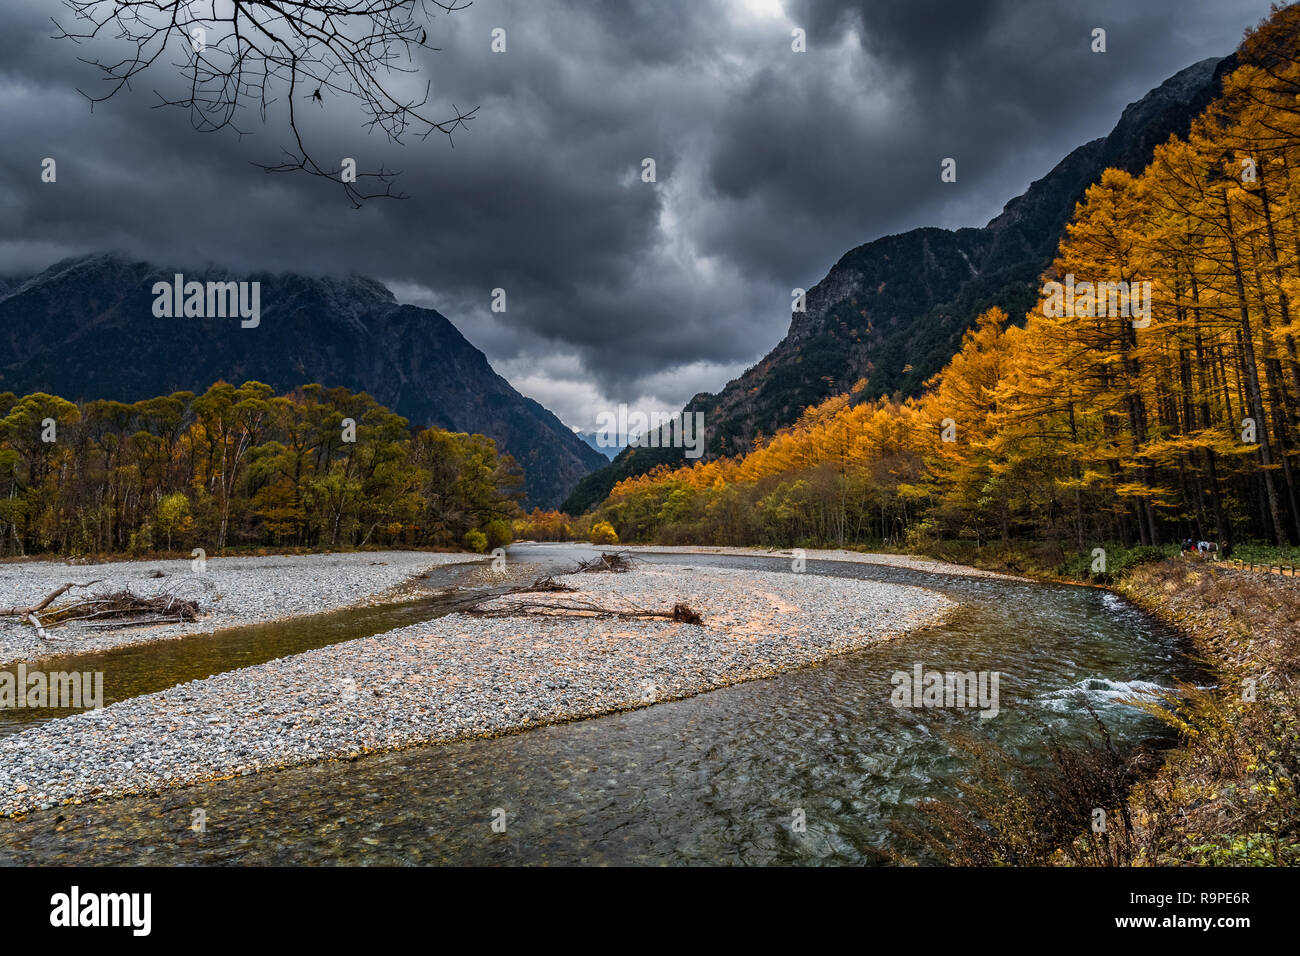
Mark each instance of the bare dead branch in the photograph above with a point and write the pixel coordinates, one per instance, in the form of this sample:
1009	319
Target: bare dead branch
32	610
546	584
616	562
123	606
245	54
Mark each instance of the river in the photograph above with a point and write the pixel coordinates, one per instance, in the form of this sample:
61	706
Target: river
716	778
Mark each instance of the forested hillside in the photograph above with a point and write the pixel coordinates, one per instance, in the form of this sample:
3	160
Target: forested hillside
85	329
893	311
1089	424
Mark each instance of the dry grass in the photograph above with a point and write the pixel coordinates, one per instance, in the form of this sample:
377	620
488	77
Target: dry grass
1228	795
1225	796
1009	814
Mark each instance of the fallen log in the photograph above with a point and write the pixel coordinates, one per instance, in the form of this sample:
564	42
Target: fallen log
125	604
31	609
680	613
164	607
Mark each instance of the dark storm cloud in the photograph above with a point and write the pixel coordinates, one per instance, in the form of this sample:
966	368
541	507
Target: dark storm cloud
771	164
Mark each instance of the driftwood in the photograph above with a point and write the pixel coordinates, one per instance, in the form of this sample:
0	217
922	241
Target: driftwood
680	613
45	601
545	584
125	604
122	607
613	561
684	614
31	613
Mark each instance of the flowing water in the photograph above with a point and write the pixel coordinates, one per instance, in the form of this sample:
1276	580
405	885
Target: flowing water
716	778
146	668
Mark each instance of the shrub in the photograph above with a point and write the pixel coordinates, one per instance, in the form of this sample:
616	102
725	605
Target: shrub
1119	561
602	532
476	541
141	540
499	533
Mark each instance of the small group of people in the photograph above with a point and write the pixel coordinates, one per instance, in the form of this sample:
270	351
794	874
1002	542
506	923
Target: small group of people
1200	547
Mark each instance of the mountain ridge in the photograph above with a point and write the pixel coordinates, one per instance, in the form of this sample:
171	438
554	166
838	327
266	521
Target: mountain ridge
893	310
84	328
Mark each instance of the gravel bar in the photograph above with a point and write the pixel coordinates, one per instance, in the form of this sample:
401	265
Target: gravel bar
462	676
230	591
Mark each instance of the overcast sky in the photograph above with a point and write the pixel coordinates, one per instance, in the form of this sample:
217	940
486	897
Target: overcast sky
770	164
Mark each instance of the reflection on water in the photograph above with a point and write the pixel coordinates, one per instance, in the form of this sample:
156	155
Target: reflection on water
712	779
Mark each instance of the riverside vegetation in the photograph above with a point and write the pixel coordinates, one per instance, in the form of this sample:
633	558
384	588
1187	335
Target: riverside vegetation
241	467
1074	430
1226	796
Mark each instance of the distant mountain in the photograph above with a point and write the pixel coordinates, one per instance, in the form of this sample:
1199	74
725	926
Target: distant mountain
592	440
85	328
893	311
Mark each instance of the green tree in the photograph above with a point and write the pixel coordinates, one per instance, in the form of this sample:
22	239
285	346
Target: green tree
172	515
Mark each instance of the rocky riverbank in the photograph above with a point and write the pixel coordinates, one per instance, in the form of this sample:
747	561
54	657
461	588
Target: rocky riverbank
230	592
1225	795
463	676
1229	794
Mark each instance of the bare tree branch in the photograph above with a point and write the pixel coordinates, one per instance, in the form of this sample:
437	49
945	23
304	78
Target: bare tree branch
243	54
